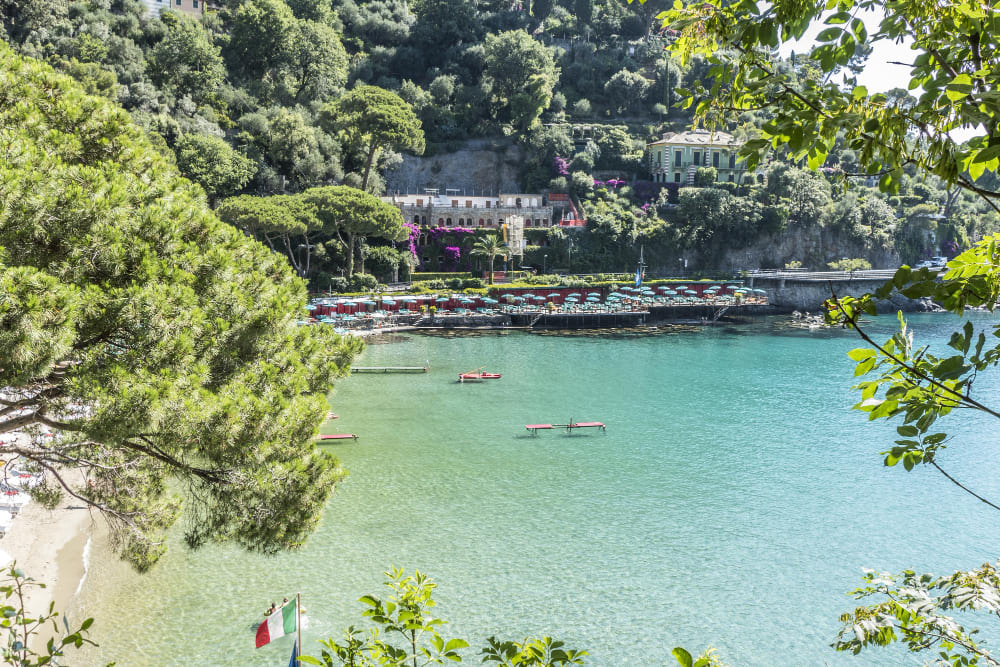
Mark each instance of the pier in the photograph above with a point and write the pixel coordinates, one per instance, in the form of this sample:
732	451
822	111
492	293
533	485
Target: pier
535	428
390	369
339	436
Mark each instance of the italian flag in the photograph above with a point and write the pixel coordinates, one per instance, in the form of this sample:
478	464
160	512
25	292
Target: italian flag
278	624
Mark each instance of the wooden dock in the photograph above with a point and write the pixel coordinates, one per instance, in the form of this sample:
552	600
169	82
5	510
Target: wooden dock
535	428
390	369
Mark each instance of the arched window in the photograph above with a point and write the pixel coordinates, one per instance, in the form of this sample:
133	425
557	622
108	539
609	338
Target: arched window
448	222
461	222
416	219
480	222
545	221
489	222
517	202
440	222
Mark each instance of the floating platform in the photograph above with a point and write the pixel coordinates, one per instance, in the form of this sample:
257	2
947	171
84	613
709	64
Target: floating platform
390	369
339	436
535	428
477	376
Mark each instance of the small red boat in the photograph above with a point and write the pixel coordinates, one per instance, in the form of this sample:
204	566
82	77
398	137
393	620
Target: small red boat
475	376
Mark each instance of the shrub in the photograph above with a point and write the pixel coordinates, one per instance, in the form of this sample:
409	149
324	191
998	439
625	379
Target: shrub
850	265
363	281
705	177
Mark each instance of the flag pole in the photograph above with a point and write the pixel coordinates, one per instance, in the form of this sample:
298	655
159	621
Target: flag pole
298	624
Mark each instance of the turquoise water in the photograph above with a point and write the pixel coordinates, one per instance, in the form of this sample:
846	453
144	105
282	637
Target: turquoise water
733	501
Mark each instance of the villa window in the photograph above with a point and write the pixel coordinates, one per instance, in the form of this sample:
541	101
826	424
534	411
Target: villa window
480	222
732	162
194	4
454	203
715	159
678	158
420	202
730	178
697	158
677	177
468	203
416	219
487	203
448	222
440	222
545	221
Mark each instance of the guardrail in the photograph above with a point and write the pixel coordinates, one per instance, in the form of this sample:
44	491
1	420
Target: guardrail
872	274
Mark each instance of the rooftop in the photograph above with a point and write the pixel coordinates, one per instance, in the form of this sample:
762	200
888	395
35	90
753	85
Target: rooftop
697	138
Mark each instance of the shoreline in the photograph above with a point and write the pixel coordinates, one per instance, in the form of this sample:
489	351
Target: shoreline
50	546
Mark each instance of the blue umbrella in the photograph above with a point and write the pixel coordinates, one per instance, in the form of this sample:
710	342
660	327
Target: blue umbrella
310	307
571	299
537	297
594	294
442	300
554	294
691	292
388	302
518	298
409	300
670	291
680	287
486	299
576	294
759	291
593	299
466	301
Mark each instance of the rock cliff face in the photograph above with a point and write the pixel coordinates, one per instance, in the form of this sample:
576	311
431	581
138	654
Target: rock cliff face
482	166
813	247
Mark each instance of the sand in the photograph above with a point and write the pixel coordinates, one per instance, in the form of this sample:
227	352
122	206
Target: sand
48	546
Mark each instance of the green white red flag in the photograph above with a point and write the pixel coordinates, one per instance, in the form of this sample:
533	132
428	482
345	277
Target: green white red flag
278	624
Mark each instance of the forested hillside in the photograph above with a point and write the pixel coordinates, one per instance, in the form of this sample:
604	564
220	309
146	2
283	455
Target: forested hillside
252	99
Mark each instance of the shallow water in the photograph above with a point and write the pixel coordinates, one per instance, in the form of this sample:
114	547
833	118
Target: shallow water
732	501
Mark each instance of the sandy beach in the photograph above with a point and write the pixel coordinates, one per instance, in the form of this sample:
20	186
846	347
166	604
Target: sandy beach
48	546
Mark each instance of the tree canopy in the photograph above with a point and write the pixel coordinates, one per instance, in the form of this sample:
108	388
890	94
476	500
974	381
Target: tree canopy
159	344
372	119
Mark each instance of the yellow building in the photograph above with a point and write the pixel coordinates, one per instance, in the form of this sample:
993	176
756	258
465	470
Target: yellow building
678	155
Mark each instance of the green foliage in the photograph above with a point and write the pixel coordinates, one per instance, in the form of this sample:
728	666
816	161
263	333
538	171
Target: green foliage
919	611
710	658
352	213
490	246
120	291
374	119
19	627
212	164
521	74
850	265
186	62
404	632
706	177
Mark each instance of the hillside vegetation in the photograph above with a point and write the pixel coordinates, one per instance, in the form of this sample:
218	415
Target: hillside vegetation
250	100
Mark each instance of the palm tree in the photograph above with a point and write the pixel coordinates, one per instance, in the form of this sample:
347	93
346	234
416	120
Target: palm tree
491	247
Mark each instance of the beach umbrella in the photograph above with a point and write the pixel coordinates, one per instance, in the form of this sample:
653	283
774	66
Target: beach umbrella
759	291
732	286
680	287
443	299
594	294
571	299
518	298
388	302
691	292
576	294
408	300
593	299
670	291
486	299
310	307
466	301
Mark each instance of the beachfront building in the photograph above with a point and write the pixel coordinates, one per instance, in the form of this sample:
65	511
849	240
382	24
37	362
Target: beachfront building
677	157
451	209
